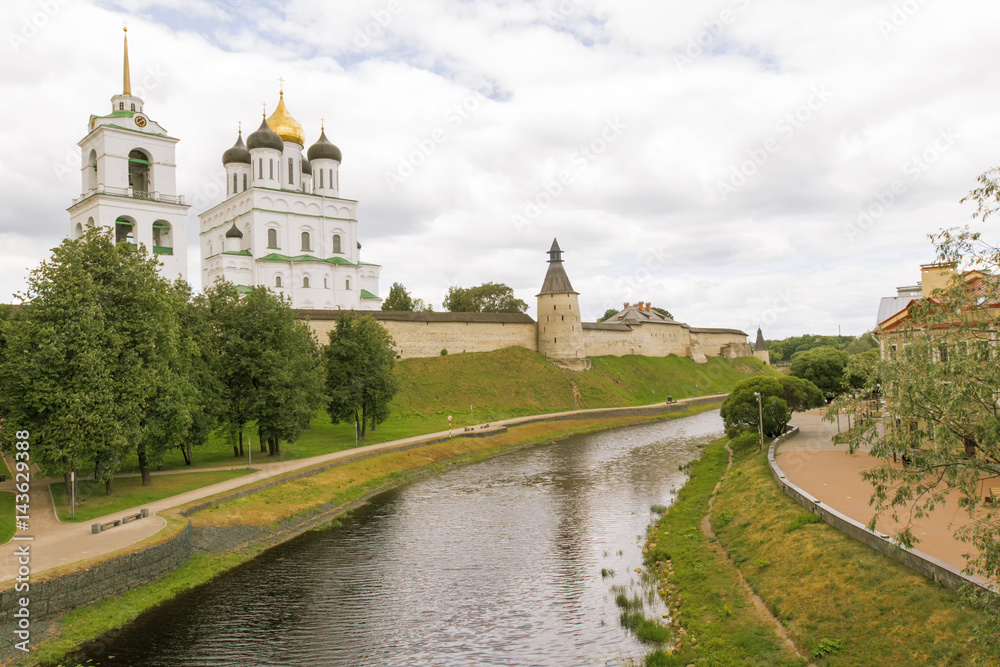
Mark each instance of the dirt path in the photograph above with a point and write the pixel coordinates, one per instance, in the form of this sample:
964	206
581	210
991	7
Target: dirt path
762	611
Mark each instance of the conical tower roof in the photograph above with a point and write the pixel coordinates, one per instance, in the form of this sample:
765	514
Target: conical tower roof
556	281
761	344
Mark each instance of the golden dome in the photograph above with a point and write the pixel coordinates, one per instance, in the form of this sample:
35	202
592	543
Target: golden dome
284	125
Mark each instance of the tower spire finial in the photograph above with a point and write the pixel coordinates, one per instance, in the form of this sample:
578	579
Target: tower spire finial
126	78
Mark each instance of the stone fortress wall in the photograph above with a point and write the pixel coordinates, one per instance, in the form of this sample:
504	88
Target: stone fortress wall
426	334
560	334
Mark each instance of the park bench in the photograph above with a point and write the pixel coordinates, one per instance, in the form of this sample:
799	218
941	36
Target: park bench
128	518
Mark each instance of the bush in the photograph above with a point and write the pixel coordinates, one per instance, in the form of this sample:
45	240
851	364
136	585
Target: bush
444	352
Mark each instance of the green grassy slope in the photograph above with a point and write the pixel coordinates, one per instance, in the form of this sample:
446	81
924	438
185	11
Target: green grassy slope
506	383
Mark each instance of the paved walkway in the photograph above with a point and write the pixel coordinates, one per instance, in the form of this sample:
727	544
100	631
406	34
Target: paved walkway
56	544
812	462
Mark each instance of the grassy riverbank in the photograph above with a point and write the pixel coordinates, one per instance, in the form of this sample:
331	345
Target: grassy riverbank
841	603
299	498
488	386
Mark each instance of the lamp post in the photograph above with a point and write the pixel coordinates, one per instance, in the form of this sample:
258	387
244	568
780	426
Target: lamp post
760	419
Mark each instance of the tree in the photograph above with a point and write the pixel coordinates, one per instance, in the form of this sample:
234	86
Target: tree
360	382
863	344
292	390
781	350
485	298
780	397
86	355
824	367
399	299
935	401
608	314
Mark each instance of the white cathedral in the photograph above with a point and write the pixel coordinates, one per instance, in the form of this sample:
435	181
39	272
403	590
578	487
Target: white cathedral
282	225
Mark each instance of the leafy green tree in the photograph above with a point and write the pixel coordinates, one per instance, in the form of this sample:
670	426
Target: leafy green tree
399	299
780	397
784	350
610	312
863	344
741	413
485	298
360	382
86	354
199	356
293	389
935	400
824	367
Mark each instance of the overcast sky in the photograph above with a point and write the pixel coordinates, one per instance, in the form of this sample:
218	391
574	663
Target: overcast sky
712	158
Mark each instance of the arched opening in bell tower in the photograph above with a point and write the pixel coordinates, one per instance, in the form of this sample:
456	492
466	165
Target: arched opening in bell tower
139	173
125	230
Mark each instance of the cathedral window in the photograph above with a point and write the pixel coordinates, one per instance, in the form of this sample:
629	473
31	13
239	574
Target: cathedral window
244	182
272	238
260	168
271	166
336	243
121	106
133	107
338	179
347	284
305	241
234	184
305	281
326	283
291	172
277	281
320	178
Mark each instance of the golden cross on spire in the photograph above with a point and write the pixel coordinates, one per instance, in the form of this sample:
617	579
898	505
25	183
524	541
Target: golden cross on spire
322	124
281	82
240	124
265	109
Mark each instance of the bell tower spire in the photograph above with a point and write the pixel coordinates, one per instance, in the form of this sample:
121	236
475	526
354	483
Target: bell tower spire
126	77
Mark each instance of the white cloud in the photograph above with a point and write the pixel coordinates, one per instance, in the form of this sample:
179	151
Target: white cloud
701	89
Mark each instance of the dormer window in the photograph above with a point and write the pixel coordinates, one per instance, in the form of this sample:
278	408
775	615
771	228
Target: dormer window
121	106
133	107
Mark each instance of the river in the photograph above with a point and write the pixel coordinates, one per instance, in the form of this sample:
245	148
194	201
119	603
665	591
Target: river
493	563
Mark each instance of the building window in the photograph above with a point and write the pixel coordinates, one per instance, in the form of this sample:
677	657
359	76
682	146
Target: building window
121	106
133	107
291	172
320	178
272	238
326	284
563	318
347	284
244	182
305	241
553	306
234	183
277	281
305	281
336	243
260	168
210	253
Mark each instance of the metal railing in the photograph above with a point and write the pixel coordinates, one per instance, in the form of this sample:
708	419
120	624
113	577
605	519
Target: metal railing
131	192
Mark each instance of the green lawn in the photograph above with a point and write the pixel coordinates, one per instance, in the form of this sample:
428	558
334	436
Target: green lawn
702	590
129	492
7	512
843	602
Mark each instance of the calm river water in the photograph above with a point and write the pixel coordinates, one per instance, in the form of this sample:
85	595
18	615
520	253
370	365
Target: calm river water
495	563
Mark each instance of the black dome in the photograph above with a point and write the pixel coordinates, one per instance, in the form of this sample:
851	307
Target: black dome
265	137
306	167
237	154
324	150
234	233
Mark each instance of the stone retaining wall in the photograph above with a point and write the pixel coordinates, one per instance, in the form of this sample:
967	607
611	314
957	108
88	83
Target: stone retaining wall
944	574
99	582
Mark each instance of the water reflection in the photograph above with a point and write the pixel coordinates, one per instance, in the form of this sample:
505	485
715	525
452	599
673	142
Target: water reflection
497	563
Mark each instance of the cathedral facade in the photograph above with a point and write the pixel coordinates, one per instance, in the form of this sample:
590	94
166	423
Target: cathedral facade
284	224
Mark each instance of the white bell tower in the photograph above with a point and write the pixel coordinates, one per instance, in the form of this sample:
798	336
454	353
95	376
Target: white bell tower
129	184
